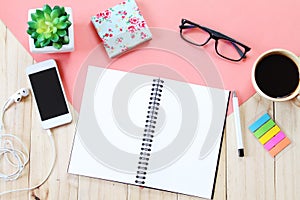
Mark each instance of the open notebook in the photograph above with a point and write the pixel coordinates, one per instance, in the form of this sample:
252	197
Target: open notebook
149	131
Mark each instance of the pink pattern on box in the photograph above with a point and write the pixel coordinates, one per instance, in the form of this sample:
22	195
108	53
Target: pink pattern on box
121	27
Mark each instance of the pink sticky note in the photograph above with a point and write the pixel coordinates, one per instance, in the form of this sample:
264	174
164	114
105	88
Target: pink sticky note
275	140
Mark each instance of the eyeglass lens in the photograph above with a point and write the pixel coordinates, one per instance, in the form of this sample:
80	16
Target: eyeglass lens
196	35
224	48
229	49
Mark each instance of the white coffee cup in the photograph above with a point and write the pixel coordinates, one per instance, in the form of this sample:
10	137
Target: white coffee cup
275	75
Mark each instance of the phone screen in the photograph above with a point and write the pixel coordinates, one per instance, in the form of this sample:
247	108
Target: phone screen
48	94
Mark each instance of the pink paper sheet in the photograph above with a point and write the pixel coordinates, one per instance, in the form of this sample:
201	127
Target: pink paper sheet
261	25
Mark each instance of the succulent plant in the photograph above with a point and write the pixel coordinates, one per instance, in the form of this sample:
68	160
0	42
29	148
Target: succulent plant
49	27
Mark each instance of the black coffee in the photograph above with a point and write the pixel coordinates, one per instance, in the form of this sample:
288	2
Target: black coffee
277	76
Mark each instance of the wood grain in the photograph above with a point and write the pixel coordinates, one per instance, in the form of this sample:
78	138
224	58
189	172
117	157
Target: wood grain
287	165
60	185
250	177
256	176
13	60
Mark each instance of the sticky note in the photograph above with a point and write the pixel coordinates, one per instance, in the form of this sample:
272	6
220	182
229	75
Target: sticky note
264	128
279	147
258	123
275	140
269	134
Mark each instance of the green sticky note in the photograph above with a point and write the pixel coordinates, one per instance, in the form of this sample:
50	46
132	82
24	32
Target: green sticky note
264	128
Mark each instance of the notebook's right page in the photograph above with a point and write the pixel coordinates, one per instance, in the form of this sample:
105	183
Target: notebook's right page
186	146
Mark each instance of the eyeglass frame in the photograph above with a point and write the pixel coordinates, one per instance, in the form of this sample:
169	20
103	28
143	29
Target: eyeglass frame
216	36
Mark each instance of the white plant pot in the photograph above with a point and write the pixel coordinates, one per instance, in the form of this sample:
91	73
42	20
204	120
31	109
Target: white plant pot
50	49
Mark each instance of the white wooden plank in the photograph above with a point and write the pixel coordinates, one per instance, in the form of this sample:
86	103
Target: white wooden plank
250	177
288	161
17	118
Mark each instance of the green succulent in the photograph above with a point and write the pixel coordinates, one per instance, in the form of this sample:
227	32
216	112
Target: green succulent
49	27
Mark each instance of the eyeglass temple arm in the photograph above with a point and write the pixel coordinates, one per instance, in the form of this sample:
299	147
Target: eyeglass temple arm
238	49
232	41
187	26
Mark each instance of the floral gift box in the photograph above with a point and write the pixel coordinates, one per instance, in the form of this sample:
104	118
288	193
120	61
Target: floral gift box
121	27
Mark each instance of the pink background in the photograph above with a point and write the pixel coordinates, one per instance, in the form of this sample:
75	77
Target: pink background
261	25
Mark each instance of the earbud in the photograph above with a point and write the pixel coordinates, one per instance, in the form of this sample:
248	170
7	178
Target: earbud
23	92
16	97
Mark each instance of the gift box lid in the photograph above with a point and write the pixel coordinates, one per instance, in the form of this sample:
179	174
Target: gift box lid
121	27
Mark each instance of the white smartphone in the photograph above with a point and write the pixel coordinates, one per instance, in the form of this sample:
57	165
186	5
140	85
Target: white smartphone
49	94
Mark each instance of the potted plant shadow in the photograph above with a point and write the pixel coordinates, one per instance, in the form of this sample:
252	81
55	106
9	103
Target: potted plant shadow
50	30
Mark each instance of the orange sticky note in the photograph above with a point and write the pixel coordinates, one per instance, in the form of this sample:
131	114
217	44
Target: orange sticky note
279	147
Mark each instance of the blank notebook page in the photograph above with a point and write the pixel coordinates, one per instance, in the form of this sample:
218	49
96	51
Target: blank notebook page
182	144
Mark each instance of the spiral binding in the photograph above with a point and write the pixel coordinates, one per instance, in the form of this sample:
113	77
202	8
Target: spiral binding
149	130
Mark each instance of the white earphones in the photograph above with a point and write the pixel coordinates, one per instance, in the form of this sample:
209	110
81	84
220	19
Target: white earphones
16	98
16	157
7	148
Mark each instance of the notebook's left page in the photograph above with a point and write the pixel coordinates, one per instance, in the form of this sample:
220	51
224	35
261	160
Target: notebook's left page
111	125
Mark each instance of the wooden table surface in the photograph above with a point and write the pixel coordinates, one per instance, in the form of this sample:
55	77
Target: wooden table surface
256	176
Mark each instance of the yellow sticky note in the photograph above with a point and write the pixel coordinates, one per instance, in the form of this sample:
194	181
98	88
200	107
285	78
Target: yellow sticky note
269	134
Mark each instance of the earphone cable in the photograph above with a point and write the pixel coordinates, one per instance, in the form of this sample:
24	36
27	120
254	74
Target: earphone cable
9	152
2	114
48	174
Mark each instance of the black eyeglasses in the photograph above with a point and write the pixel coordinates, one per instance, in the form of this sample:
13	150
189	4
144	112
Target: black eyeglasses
225	46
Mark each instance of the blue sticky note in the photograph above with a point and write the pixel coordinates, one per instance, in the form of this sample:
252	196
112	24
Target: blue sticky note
258	123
